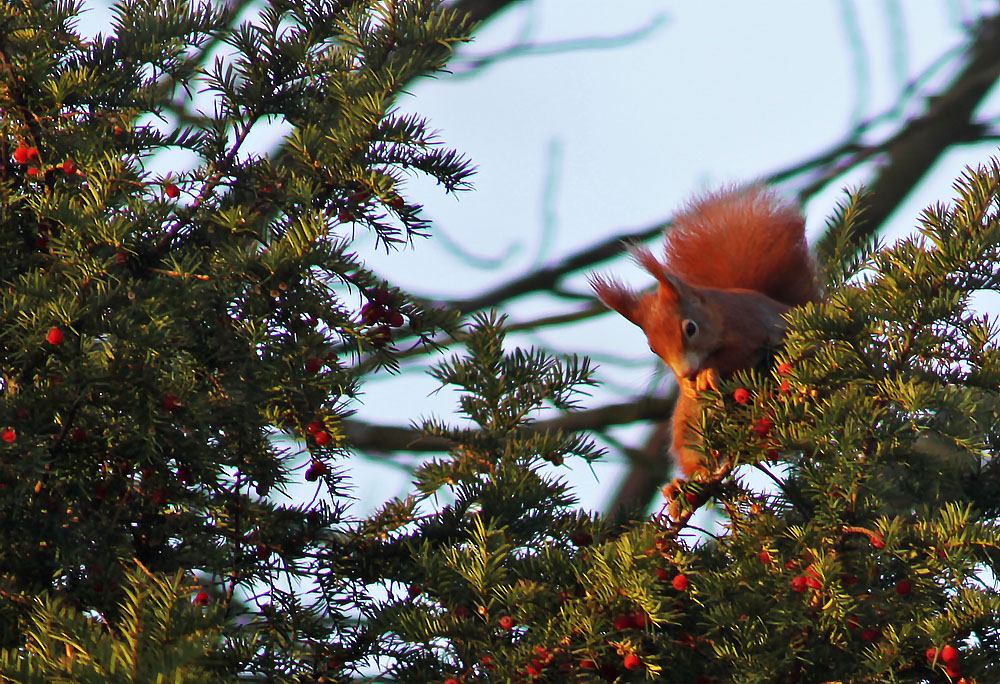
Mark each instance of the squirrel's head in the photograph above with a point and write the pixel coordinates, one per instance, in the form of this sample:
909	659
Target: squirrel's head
679	326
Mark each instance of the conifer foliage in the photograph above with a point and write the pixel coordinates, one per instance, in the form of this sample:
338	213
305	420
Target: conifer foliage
171	341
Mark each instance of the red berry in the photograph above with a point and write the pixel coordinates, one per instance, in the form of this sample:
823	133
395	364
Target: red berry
588	664
534	669
581	538
345	216
21	155
8	435
69	167
931	653
171	403
202	598
870	635
451	681
313	364
78	435
394	319
662	574
624	622
315	427
632	662
507	622
784	369
461	612
813	583
949	654
785	387
640	620
741	396
32	153
315	470
904	587
799	584
953	670
171	191
680	583
396	203
183	474
763	426
33	171
55	336
414	590
322	438
852	622
765	557
372	313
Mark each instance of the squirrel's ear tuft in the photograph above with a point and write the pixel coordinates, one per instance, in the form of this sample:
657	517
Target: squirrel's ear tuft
650	263
616	296
672	287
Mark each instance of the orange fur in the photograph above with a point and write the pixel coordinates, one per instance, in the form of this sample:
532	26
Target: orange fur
745	238
734	262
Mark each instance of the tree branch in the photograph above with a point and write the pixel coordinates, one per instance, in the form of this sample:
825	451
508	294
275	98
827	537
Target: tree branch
481	10
384	438
949	120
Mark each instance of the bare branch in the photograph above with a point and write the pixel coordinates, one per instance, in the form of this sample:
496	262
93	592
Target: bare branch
468	66
384	438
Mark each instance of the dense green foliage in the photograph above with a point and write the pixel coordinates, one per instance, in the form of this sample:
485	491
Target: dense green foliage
172	340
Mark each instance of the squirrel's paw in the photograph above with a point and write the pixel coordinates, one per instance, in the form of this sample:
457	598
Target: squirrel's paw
707	379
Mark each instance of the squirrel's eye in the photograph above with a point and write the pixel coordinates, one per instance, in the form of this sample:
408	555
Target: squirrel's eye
689	327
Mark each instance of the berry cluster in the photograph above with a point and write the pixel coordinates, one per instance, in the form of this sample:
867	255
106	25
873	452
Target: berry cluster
378	314
28	154
947	656
377	310
318	431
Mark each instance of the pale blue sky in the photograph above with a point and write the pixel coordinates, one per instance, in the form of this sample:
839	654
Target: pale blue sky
716	92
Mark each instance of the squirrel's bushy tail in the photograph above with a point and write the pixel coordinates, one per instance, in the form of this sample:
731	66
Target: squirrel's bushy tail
745	237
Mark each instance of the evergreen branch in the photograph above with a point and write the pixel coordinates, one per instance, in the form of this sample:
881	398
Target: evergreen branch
221	168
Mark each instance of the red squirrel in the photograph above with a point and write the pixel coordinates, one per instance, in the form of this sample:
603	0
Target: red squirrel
734	262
